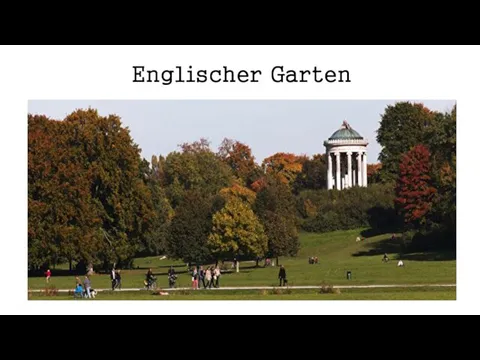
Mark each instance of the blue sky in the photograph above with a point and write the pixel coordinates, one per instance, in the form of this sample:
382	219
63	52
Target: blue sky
267	126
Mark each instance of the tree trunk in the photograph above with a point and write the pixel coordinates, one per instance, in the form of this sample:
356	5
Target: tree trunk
70	265
216	264
278	264
258	261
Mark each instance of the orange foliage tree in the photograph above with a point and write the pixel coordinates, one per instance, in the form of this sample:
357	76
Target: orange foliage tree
414	190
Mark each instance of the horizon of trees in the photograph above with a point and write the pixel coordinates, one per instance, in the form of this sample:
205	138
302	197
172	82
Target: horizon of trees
92	198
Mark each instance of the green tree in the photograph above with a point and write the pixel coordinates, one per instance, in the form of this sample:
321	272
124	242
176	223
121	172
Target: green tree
195	167
443	144
313	175
237	231
275	207
402	126
153	230
191	226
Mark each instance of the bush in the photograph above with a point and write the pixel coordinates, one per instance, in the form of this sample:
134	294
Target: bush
281	291
329	289
331	210
50	291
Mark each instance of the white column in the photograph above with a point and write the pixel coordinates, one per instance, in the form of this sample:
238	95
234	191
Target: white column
359	169
349	175
338	184
365	177
329	172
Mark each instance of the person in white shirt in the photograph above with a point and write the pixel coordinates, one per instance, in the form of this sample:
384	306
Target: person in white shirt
216	277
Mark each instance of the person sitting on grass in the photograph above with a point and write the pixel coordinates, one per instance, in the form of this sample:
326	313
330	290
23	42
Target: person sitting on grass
78	293
385	258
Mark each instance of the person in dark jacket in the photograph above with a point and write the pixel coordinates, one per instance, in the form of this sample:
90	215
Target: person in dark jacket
118	280
282	276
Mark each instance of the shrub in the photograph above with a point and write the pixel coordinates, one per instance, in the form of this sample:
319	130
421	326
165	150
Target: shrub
281	291
324	210
50	291
184	292
329	289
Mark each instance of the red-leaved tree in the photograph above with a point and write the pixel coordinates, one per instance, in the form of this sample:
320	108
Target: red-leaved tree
414	189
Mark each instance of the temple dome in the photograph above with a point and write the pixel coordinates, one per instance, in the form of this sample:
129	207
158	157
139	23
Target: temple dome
345	133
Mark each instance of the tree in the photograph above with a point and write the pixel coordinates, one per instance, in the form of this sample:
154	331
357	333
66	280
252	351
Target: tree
373	173
237	231
239	158
88	200
239	192
275	207
285	166
62	218
443	144
414	191
313	175
155	226
402	126
191	226
196	167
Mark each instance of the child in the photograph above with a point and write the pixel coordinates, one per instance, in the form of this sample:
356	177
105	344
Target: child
78	291
48	275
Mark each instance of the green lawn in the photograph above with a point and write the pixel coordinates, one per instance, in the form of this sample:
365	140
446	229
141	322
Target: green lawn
349	294
337	252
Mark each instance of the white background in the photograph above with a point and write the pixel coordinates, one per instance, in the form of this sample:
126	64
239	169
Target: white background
105	72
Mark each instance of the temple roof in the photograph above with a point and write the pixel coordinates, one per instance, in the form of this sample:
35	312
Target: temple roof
346	133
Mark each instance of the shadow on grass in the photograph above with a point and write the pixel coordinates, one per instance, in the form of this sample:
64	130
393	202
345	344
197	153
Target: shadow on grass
423	250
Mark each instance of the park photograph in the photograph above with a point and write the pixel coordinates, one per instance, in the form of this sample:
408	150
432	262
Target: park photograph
184	200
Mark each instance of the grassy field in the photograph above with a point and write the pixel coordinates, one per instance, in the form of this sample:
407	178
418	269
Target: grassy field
338	252
278	294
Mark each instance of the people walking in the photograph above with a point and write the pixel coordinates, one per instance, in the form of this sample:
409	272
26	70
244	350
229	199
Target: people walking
118	280
195	279
216	277
113	278
282	276
87	284
208	279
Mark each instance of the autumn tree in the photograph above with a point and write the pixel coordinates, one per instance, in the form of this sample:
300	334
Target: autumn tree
403	126
275	207
238	192
88	199
63	221
236	231
239	158
284	166
414	190
373	173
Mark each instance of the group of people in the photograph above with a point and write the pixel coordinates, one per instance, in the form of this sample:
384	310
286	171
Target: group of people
83	290
208	278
